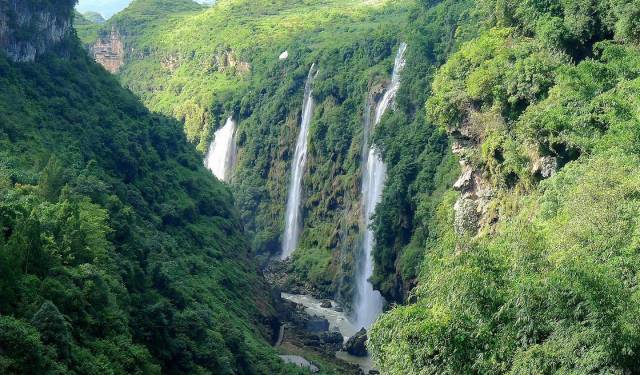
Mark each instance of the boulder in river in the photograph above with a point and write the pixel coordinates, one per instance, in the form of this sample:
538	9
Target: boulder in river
332	340
317	324
326	304
357	344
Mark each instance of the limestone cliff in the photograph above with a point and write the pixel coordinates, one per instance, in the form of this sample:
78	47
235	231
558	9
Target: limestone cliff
109	51
29	29
478	190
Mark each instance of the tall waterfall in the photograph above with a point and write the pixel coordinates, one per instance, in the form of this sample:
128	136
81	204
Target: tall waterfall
292	218
369	302
221	154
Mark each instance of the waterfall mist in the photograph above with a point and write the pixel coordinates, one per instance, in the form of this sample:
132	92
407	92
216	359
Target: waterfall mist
369	302
292	218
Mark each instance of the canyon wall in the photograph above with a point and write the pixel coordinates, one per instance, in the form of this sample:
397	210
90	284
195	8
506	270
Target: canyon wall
28	30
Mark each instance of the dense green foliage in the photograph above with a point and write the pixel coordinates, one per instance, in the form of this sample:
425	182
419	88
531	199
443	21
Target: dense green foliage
119	253
548	285
93	17
420	167
202	66
551	286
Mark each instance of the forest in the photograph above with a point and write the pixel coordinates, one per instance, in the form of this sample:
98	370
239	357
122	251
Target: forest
504	238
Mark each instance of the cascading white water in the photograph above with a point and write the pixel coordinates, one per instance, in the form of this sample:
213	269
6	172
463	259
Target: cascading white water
292	218
369	302
221	154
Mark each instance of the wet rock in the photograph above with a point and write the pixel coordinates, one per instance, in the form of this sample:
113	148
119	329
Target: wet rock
374	372
333	337
338	309
326	304
357	344
317	324
312	341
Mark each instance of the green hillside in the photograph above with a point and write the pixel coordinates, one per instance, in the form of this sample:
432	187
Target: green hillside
505	239
119	252
203	66
548	285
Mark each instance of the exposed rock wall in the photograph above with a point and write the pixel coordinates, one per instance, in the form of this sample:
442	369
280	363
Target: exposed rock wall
472	213
109	51
28	30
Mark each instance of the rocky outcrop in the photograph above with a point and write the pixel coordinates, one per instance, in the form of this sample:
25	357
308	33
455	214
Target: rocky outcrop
29	29
475	184
108	51
317	324
300	362
545	166
471	207
227	61
357	344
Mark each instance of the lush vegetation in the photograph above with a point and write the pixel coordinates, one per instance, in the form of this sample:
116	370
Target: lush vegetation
550	286
201	66
119	253
416	151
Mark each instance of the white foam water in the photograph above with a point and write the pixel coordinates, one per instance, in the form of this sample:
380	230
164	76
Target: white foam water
293	221
368	301
222	150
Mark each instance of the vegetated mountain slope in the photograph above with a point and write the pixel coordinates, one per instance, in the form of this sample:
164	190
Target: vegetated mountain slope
535	260
203	66
420	167
119	252
94	17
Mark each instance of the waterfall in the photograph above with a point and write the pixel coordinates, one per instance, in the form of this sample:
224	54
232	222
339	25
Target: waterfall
369	302
292	218
221	154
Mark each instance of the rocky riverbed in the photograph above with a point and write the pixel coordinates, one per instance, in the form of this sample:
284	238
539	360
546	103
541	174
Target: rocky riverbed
323	326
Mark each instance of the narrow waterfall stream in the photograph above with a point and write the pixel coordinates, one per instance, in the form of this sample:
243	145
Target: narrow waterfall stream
369	302
221	154
292	218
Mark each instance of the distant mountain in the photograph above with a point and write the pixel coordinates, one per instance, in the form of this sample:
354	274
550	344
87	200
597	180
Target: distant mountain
94	17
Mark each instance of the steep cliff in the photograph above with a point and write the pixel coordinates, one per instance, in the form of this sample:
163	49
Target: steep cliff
532	263
29	29
109	51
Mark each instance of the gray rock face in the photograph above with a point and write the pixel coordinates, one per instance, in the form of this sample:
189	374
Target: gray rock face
467	217
357	344
546	166
28	30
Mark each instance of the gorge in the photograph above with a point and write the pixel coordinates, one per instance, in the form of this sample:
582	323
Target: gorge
239	188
